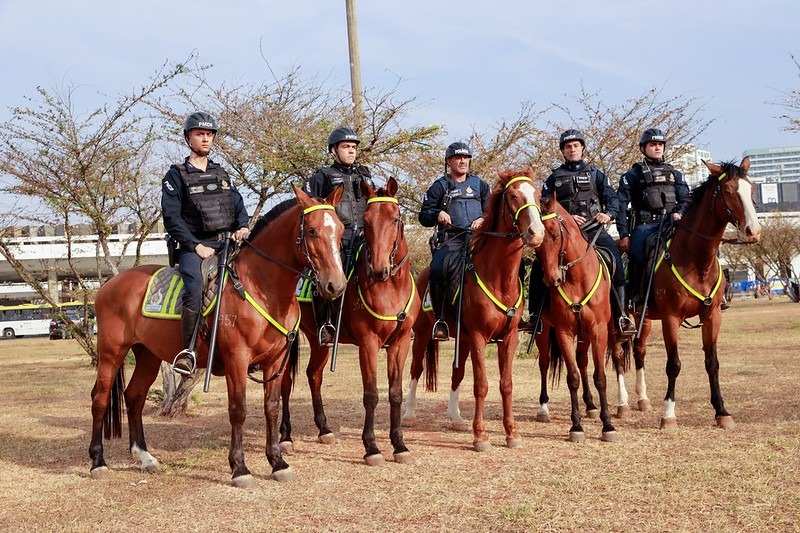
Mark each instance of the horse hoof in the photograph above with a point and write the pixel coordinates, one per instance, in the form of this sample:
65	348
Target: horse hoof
244	482
327	438
542	417
101	472
459	426
481	445
725	422
404	458
374	459
151	468
409	420
609	436
593	414
669	423
514	442
643	405
285	474
287	447
577	436
623	411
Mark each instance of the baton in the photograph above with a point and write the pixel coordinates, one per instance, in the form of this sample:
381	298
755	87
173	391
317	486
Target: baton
223	261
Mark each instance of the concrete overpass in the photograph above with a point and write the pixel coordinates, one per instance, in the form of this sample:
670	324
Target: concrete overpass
46	257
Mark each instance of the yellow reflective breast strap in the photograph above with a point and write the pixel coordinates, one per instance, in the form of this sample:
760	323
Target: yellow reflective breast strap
388	318
491	296
591	292
683	281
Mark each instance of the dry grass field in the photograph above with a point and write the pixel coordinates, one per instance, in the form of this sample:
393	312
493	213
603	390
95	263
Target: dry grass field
695	478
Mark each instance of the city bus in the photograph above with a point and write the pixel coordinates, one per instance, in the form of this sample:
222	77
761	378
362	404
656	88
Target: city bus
37	319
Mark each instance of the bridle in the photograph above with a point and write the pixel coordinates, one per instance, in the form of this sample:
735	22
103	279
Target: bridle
717	193
512	214
398	237
563	268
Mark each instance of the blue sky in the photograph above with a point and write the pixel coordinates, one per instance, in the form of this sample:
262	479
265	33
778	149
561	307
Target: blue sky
470	64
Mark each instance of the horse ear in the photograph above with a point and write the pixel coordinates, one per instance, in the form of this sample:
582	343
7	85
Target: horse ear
366	190
336	195
549	201
303	198
745	166
715	170
391	186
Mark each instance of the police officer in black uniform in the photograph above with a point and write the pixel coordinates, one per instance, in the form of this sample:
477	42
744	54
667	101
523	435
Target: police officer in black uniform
454	204
343	146
649	187
199	203
585	192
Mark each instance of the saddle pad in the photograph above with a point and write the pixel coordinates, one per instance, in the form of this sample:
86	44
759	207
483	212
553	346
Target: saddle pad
427	306
304	291
163	296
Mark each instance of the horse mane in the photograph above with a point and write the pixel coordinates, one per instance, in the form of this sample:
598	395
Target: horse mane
728	167
265	219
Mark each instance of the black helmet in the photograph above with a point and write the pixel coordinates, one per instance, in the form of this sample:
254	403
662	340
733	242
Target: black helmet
571	135
199	119
340	135
457	148
652	135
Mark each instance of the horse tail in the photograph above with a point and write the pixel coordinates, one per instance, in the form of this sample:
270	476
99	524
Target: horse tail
112	421
556	358
431	362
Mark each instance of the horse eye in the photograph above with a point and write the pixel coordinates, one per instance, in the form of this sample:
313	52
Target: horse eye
312	232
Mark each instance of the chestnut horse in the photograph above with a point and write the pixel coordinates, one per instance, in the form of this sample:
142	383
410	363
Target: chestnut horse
492	306
688	281
297	234
578	308
380	306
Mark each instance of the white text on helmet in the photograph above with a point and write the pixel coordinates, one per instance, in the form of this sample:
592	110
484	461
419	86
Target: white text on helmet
205	124
460	151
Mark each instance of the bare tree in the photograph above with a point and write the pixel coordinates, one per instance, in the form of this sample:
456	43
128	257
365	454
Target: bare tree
772	255
791	102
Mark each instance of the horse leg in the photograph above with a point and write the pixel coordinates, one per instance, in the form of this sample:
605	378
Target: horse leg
287	383
281	471
419	347
565	342
618	352
639	353
543	345
670	327
314	372
109	363
480	438
237	412
582	358
710	332
457	423
506	351
396	355
599	345
144	374
368	360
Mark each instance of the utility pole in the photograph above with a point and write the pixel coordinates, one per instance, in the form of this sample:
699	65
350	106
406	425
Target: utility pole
355	64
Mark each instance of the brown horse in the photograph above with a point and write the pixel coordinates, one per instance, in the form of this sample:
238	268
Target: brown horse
688	281
578	308
380	306
492	305
297	234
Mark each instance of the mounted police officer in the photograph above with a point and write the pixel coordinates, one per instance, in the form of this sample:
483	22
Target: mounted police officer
343	146
454	204
199	204
585	192
651	187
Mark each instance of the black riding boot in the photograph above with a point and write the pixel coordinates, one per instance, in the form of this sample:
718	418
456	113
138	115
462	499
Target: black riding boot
326	331
626	328
185	362
440	330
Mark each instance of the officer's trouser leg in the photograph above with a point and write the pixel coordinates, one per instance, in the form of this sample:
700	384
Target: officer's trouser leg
440	330
185	362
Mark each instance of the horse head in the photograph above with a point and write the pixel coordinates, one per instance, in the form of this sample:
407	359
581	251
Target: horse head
735	194
521	201
553	249
319	241
383	229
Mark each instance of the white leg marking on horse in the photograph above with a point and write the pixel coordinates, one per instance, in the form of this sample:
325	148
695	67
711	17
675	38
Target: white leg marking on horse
544	410
149	463
452	407
622	395
411	400
669	409
641	386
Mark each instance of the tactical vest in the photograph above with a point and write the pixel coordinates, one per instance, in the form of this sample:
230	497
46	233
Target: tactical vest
576	191
658	191
462	201
210	206
352	205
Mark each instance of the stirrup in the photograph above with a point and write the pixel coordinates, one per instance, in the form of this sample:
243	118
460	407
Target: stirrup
440	331
326	334
185	363
626	326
